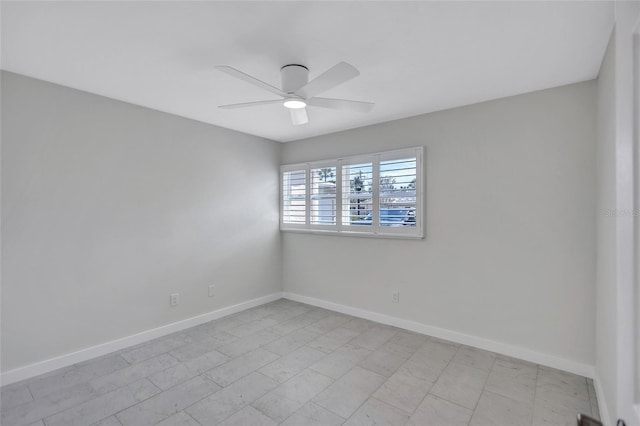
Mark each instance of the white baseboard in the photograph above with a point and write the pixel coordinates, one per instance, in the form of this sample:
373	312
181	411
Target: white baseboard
32	370
602	402
454	336
46	366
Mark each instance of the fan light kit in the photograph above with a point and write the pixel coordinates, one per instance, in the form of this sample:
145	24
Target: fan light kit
294	103
298	92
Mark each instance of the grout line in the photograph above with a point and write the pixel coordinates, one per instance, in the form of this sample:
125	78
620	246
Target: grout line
459	345
33	398
591	392
191	417
452	403
382	384
435	380
535	393
119	354
485	383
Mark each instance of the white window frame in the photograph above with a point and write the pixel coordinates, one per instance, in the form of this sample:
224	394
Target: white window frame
411	232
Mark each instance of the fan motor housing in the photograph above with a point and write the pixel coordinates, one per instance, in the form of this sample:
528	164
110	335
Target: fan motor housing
293	76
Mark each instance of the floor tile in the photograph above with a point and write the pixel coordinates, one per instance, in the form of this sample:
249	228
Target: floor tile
349	392
494	409
226	402
222	337
408	340
515	360
460	384
375	412
292	324
545	414
179	419
313	415
104	405
187	370
248	416
319	313
276	407
76	374
286	399
100	365
223	324
562	383
109	421
291	341
513	380
286	314
155	347
559	397
13	395
474	357
132	373
27	413
328	323
201	347
359	325
342	360
435	411
241	366
252	327
383	362
374	337
403	391
422	370
199	331
435	354
289	365
254	314
332	340
167	403
248	344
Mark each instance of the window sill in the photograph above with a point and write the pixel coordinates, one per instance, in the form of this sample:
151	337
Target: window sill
354	234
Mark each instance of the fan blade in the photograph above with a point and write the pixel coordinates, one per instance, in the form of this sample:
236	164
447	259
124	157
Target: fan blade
299	116
252	80
342	104
250	104
328	80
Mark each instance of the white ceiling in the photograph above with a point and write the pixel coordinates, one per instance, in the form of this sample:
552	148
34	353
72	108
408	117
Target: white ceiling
414	57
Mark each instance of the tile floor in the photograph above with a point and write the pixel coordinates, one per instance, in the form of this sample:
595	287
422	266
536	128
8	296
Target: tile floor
293	364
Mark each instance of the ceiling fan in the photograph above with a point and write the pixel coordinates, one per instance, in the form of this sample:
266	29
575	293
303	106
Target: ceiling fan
298	92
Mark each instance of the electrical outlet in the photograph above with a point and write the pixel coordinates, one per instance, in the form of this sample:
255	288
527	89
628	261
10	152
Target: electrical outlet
395	296
212	290
174	299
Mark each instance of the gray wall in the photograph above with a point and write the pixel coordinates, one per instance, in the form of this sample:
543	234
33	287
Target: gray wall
108	208
509	253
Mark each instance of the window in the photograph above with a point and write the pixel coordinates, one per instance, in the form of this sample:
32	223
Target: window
294	205
398	192
323	196
374	195
357	200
